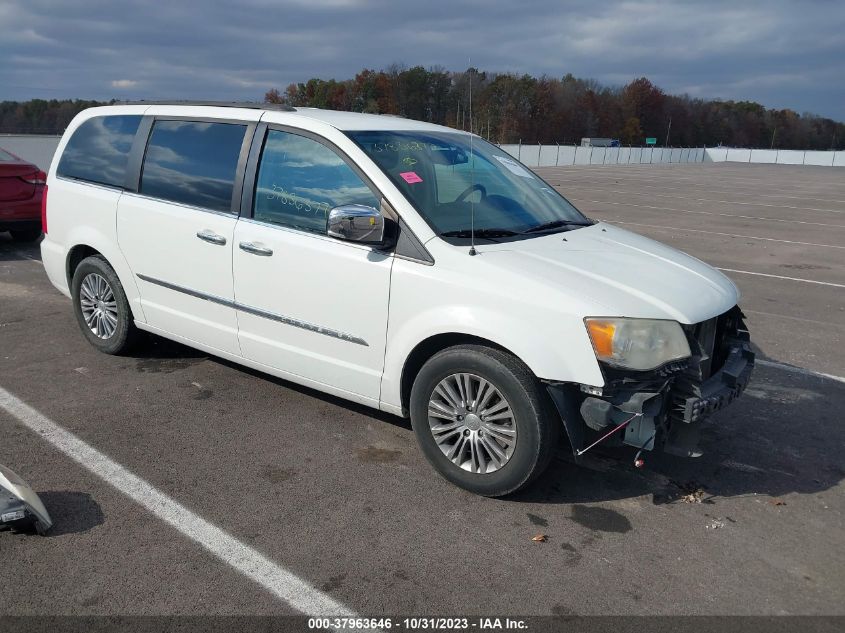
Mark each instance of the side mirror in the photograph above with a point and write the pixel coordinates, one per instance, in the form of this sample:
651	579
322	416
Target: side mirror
19	505
356	223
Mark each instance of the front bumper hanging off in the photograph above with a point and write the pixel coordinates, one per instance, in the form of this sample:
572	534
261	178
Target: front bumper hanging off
663	408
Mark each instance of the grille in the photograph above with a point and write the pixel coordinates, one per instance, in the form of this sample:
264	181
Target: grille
705	335
710	342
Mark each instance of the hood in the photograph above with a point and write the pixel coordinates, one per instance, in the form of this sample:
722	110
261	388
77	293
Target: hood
619	272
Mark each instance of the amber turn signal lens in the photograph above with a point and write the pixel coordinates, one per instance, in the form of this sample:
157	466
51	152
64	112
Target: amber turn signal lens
601	333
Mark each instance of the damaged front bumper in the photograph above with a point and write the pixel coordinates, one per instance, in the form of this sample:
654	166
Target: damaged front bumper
662	408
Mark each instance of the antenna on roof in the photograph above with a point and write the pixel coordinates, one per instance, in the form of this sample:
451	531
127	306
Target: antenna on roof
472	250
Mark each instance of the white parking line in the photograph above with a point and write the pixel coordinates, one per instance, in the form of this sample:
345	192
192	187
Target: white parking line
806	281
282	583
748	237
727	215
696	184
799	370
790	318
687	198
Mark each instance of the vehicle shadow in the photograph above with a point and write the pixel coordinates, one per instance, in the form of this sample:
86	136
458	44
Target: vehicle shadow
159	354
11	251
361	409
782	436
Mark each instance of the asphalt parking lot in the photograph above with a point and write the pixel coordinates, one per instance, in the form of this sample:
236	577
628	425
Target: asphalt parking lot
339	496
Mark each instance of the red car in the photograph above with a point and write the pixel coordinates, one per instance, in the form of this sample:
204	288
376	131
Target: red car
22	187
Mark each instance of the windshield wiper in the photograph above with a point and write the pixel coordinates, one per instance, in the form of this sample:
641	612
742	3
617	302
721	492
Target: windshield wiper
556	224
482	233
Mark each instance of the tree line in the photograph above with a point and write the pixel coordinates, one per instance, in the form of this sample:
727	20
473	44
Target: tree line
40	116
510	108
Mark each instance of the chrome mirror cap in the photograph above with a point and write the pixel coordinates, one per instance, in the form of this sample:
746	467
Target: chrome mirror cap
19	505
356	223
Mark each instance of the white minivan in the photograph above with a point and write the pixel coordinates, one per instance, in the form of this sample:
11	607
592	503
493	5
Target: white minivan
403	265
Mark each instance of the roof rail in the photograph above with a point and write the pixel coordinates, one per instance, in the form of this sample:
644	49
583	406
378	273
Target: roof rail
218	104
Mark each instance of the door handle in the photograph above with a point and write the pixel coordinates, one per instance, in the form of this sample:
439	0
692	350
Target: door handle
255	249
211	237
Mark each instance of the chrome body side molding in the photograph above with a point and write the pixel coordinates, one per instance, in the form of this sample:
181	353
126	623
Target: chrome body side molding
280	318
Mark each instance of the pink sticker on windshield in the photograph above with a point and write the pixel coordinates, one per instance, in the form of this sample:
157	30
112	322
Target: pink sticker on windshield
410	177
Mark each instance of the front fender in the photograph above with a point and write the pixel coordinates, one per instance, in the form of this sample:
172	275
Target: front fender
559	351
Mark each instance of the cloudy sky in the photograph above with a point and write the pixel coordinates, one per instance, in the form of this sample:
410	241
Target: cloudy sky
782	54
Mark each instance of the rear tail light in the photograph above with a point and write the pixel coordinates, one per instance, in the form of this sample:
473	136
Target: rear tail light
44	210
38	178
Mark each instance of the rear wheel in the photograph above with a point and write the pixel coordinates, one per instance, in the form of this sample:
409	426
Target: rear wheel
101	308
483	419
25	235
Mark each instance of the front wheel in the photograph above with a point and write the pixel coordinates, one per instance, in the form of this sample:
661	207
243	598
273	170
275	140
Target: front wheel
101	308
483	419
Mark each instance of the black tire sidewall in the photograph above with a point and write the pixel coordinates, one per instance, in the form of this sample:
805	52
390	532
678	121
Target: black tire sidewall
529	418
119	341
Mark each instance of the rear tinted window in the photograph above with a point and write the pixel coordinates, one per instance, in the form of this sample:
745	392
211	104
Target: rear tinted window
99	149
193	163
6	156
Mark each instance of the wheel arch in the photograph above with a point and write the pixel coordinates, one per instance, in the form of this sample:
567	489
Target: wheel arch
75	256
430	346
87	243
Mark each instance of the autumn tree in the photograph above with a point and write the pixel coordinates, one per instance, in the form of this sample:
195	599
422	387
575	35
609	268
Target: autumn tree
508	108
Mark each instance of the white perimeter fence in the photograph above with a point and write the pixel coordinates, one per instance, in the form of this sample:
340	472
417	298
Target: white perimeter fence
36	148
564	155
39	149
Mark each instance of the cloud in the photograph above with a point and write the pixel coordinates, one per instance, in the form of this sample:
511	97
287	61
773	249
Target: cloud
781	53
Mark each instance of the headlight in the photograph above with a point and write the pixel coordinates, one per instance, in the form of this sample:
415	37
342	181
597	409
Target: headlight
640	344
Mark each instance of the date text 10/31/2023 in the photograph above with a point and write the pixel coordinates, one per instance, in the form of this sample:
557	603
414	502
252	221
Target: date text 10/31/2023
419	624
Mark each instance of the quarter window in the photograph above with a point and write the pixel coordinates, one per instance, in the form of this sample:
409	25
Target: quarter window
193	163
300	180
99	150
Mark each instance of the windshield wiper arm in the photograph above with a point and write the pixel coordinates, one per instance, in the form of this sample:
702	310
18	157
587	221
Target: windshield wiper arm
556	224
482	233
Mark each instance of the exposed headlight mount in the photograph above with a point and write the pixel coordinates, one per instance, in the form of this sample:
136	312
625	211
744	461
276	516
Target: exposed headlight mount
638	344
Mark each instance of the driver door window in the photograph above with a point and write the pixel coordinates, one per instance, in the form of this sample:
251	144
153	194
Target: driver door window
300	180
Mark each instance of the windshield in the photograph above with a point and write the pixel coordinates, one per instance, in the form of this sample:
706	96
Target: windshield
448	182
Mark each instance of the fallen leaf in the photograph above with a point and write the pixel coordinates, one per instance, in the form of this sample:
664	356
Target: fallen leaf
540	538
691	492
693	497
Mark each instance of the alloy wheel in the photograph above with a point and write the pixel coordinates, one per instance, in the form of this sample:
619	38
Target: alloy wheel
99	308
472	423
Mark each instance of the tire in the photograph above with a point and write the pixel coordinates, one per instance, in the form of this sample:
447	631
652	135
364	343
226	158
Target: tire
116	332
25	235
536	424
